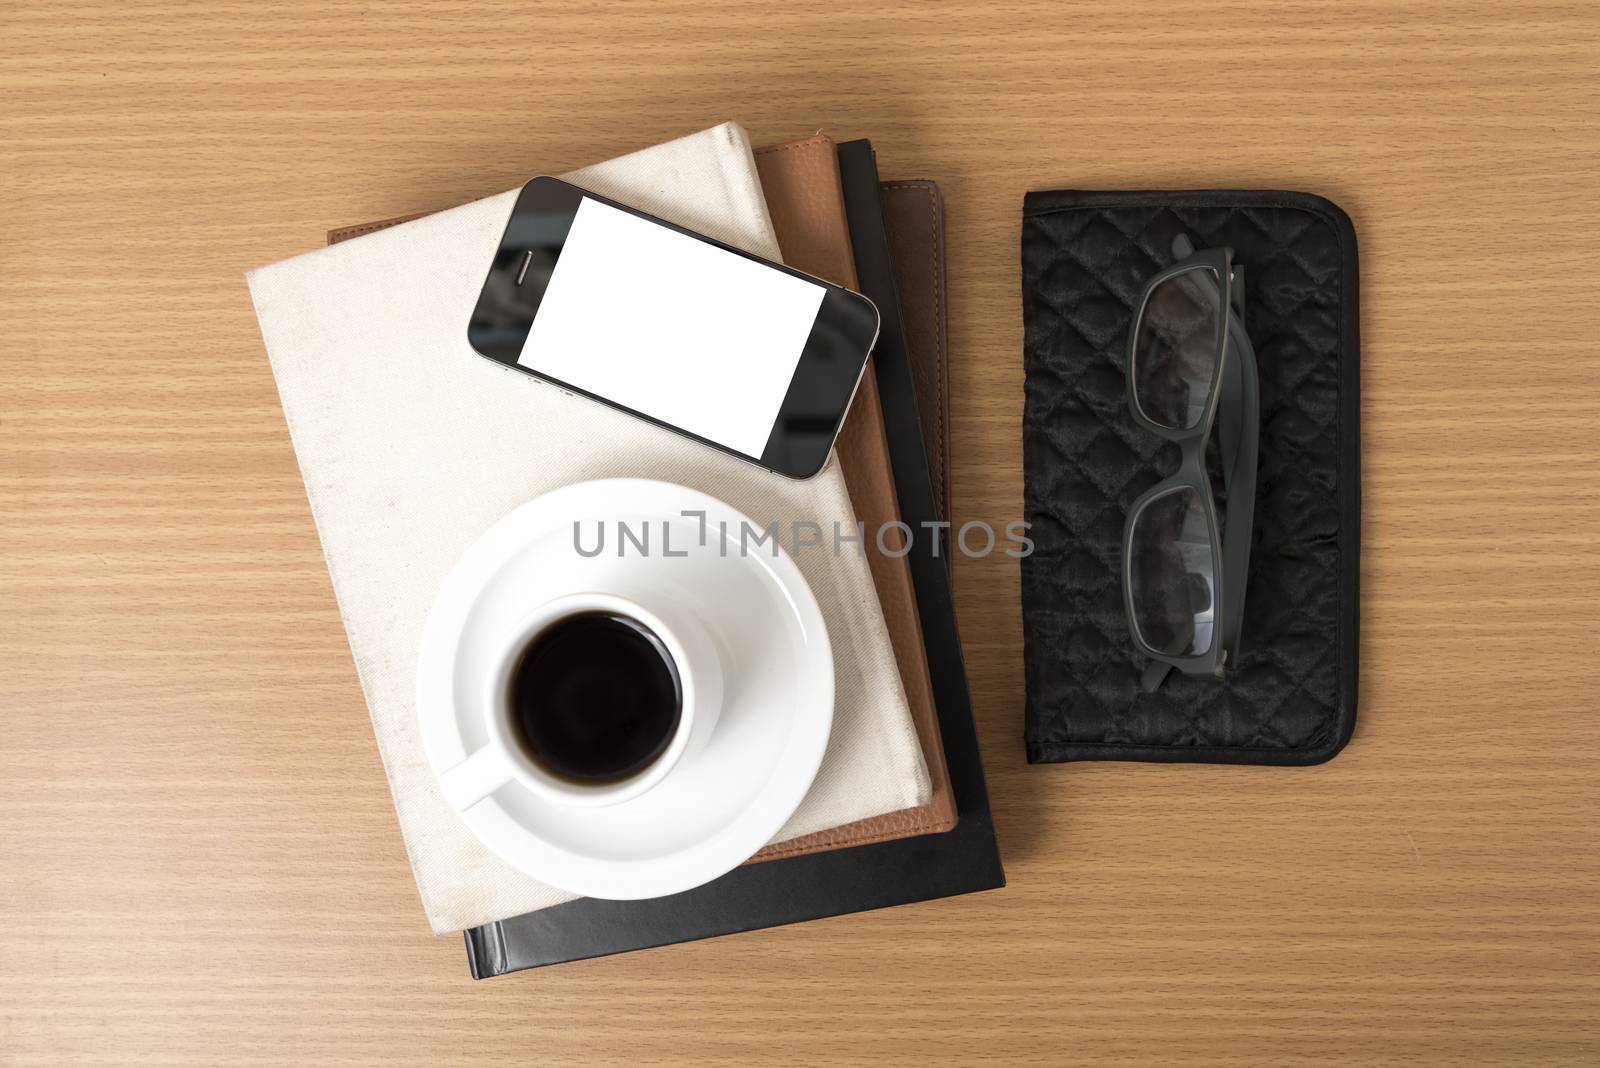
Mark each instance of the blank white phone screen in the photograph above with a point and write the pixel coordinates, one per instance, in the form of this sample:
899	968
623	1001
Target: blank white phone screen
672	327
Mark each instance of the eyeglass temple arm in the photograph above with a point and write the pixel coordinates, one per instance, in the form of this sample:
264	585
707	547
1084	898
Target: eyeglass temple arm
1155	672
1239	434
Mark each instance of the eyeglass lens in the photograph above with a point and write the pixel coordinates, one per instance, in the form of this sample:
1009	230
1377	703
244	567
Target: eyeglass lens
1173	574
1175	351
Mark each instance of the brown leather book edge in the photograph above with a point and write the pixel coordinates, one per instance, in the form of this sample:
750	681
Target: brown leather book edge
913	213
939	813
805	198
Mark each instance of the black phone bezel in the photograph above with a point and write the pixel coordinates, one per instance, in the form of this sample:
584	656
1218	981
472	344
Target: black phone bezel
825	379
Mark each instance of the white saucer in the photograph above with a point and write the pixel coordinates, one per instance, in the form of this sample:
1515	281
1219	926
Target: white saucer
719	806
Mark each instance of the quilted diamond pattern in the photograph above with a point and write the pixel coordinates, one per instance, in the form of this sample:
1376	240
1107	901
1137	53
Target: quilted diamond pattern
1290	695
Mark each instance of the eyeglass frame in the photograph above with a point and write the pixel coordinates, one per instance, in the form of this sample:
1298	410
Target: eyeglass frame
1238	434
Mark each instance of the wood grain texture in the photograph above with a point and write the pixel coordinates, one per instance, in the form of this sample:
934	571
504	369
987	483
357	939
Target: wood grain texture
192	812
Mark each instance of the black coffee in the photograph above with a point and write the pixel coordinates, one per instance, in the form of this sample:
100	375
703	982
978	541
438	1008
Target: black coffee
595	698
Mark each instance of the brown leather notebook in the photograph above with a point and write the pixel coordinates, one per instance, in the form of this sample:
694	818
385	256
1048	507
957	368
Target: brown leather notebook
806	201
801	182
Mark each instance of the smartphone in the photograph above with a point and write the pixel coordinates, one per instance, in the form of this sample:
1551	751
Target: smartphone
739	353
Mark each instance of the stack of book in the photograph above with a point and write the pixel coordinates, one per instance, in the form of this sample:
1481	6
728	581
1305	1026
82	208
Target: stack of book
928	833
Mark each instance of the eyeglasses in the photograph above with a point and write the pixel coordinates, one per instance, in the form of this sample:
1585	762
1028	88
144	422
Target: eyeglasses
1191	366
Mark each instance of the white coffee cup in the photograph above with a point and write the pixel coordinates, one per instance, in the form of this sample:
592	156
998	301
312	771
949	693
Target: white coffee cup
502	760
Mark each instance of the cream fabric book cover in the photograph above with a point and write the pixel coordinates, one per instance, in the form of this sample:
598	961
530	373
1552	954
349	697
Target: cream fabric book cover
411	445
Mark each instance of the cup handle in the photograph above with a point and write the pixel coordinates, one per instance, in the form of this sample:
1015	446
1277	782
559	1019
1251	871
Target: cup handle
476	777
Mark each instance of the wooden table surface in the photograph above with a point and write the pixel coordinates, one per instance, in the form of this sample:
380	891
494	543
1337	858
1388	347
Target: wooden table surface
199	861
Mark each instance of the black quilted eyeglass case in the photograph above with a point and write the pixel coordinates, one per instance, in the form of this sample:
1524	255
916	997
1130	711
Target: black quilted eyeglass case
1290	694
